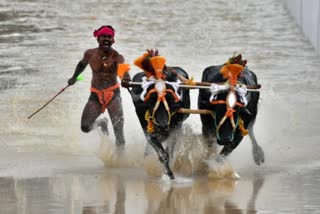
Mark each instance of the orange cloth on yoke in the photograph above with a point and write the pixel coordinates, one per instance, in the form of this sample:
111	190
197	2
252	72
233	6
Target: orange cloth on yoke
105	95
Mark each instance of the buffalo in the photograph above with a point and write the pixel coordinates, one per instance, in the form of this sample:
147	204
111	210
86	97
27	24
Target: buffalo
157	103
234	109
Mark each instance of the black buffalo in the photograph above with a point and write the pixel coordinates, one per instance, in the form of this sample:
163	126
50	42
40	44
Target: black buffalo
161	115
228	135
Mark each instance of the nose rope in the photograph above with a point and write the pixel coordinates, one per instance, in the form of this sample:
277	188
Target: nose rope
228	114
161	98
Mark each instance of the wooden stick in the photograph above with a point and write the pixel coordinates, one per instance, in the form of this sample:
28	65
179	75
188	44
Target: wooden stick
184	80
209	84
253	89
48	101
201	85
194	111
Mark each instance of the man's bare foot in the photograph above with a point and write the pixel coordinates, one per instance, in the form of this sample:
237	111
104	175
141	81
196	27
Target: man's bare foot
103	123
120	146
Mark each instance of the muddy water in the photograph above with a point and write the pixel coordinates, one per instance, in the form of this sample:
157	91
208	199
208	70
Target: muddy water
48	166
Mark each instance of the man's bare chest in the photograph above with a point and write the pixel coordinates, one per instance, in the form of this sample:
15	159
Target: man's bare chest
103	64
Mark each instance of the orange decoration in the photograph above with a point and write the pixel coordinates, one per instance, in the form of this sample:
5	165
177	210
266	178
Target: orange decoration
150	127
229	112
158	63
105	95
138	61
122	69
231	72
243	131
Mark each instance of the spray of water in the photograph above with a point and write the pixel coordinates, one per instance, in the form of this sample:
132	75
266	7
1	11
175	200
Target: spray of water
130	157
190	158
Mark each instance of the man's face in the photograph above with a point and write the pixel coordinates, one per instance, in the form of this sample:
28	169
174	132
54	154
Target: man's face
105	41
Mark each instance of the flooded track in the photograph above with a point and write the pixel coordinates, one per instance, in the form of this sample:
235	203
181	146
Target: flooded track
47	165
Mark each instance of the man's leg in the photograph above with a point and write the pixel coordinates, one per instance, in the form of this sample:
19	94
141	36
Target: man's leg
90	113
116	115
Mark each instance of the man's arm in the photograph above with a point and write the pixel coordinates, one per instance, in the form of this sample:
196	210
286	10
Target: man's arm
119	59
82	64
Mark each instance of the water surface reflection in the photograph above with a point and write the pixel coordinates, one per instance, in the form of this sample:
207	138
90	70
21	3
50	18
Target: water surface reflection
118	192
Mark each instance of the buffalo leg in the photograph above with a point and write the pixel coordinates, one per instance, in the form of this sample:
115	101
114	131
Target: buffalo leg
148	150
209	139
229	147
163	156
257	151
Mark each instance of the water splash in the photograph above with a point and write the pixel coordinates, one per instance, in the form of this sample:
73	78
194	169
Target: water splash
220	168
131	156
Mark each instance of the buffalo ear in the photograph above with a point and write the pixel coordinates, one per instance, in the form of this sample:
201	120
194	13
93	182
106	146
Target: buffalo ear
245	111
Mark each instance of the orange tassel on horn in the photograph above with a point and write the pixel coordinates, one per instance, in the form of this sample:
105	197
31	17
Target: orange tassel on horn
122	69
158	63
138	61
231	71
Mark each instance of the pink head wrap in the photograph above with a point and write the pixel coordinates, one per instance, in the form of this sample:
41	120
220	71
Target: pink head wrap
103	31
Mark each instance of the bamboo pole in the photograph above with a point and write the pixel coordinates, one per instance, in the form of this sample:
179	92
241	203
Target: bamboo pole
201	85
194	111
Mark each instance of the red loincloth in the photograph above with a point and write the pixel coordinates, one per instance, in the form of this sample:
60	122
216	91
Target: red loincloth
105	95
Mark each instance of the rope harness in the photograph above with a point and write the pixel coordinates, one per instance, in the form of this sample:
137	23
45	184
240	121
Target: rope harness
162	91
229	113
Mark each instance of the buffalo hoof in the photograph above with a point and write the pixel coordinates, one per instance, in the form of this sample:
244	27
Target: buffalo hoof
258	155
120	144
171	176
168	171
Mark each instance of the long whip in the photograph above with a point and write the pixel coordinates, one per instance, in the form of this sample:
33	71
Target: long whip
49	101
79	78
